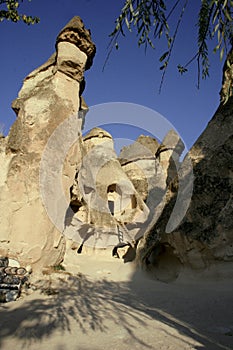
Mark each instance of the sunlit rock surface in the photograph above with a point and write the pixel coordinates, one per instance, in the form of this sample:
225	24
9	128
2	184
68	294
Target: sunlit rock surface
171	213
49	95
103	199
114	200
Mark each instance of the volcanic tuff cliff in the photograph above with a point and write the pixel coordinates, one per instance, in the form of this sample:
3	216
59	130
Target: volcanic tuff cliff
204	236
113	200
50	94
173	214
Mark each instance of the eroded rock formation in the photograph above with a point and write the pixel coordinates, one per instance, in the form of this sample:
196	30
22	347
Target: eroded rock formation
50	95
204	236
180	214
113	200
227	79
103	198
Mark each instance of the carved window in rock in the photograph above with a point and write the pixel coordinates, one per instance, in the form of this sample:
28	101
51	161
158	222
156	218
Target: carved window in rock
133	201
119	203
114	199
111	206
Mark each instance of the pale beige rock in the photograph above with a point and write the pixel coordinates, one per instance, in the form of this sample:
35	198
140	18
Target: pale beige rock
103	197
151	167
139	163
71	162
114	200
49	96
168	155
71	60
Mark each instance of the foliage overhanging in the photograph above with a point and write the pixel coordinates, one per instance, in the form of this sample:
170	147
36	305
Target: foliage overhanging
151	19
9	10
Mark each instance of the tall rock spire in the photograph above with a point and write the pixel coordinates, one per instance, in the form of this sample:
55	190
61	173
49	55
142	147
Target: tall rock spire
49	96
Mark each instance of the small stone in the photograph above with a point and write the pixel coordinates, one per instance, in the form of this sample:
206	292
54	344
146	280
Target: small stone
21	271
28	269
12	295
14	263
4	262
11	270
74	246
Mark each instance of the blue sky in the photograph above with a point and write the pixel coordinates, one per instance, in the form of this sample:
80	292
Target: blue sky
129	76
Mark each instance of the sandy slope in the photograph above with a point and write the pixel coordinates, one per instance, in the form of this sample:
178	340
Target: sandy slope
109	305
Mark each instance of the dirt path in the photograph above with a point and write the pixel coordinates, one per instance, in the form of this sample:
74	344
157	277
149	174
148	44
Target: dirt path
106	305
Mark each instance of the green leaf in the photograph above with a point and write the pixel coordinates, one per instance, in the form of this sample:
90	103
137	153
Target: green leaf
127	23
164	65
182	69
219	35
221	53
224	4
217	47
216	28
228	16
164	56
228	64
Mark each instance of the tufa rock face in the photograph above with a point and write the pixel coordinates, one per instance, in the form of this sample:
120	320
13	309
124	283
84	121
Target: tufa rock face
208	219
103	198
114	200
111	200
205	234
75	33
50	95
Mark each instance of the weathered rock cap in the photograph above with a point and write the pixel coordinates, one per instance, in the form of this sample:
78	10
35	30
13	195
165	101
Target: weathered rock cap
172	142
144	147
97	132
75	33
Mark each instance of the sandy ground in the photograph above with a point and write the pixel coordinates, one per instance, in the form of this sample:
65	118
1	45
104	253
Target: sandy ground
106	304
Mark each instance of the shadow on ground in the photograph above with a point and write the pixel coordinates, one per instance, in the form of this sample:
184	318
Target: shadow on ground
95	305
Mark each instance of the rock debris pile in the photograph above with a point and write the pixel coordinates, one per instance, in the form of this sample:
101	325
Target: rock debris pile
12	279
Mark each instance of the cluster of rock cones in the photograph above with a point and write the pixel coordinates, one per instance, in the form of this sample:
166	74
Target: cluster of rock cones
49	97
